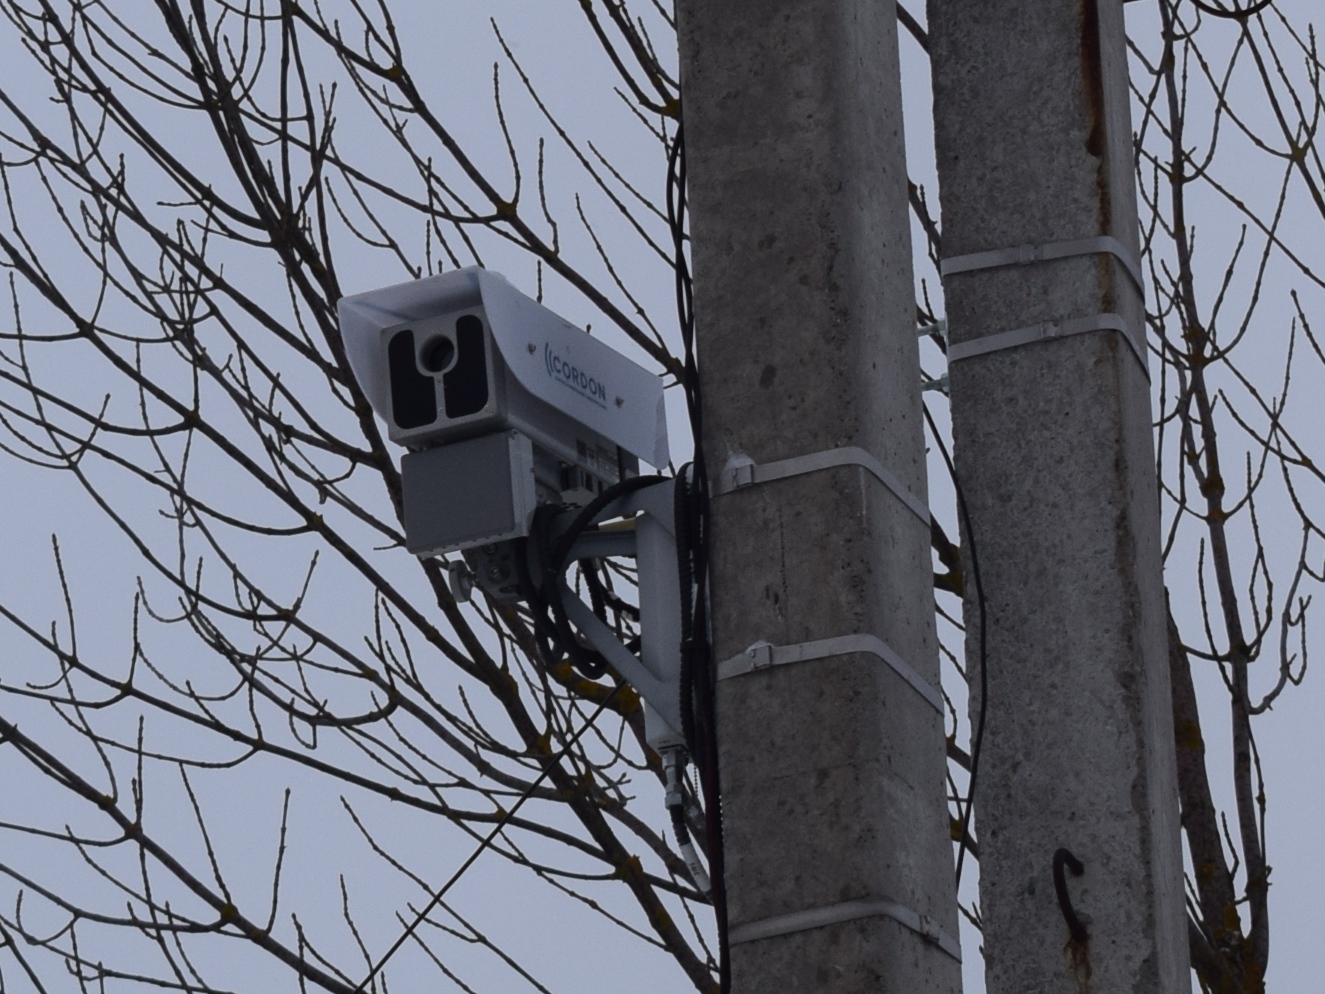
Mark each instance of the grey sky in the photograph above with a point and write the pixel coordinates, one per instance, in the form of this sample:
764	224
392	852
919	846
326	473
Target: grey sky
453	48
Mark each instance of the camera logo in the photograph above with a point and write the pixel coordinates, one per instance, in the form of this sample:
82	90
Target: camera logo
570	375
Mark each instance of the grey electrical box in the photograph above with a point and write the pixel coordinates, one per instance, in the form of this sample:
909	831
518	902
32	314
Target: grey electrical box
476	492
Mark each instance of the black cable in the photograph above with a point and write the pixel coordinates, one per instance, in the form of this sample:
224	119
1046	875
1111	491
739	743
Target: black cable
964	819
598	589
548	608
589	662
552	639
544	635
487	841
595	507
686	576
699	679
594	585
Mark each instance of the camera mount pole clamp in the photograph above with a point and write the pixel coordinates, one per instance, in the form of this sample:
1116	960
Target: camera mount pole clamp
1043	332
1022	255
762	656
847	911
737	476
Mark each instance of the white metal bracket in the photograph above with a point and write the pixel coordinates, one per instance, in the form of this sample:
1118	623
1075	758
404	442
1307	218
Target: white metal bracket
1022	255
835	914
656	672
761	656
737	476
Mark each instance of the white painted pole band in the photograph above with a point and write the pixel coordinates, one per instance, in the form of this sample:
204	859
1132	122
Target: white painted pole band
762	656
1022	255
835	914
1043	332
735	477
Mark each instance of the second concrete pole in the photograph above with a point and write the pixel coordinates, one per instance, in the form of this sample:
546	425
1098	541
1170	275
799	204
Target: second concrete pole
1052	437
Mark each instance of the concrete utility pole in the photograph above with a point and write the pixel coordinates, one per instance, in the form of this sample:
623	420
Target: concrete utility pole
839	864
1052	426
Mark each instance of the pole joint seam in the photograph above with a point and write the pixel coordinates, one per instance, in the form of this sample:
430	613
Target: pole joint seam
1065	328
741	475
762	656
847	911
1022	255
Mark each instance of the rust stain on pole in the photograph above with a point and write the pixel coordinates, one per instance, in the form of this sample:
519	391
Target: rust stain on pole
1092	77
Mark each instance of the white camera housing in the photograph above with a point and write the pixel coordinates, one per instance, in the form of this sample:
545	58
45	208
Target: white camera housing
502	403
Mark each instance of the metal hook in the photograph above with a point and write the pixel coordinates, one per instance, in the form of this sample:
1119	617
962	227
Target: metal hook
1064	857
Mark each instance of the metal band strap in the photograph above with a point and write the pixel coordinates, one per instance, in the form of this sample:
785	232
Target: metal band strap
1023	255
835	914
737	477
762	656
1041	332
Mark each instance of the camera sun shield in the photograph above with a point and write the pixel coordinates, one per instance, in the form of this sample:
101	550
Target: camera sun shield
453	356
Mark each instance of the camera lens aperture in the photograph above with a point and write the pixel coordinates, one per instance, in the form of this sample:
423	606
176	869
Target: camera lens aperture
436	354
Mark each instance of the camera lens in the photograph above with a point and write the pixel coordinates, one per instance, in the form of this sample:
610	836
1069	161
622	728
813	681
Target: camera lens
437	354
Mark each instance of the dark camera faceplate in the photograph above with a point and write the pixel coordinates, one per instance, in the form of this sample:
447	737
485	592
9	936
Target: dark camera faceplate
440	372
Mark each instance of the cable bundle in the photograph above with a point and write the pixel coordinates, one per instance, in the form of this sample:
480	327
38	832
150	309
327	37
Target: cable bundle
552	627
698	676
542	565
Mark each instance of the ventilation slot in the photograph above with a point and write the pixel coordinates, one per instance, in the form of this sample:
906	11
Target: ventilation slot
413	395
466	385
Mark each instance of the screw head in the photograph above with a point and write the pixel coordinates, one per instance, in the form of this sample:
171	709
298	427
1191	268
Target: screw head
620	401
